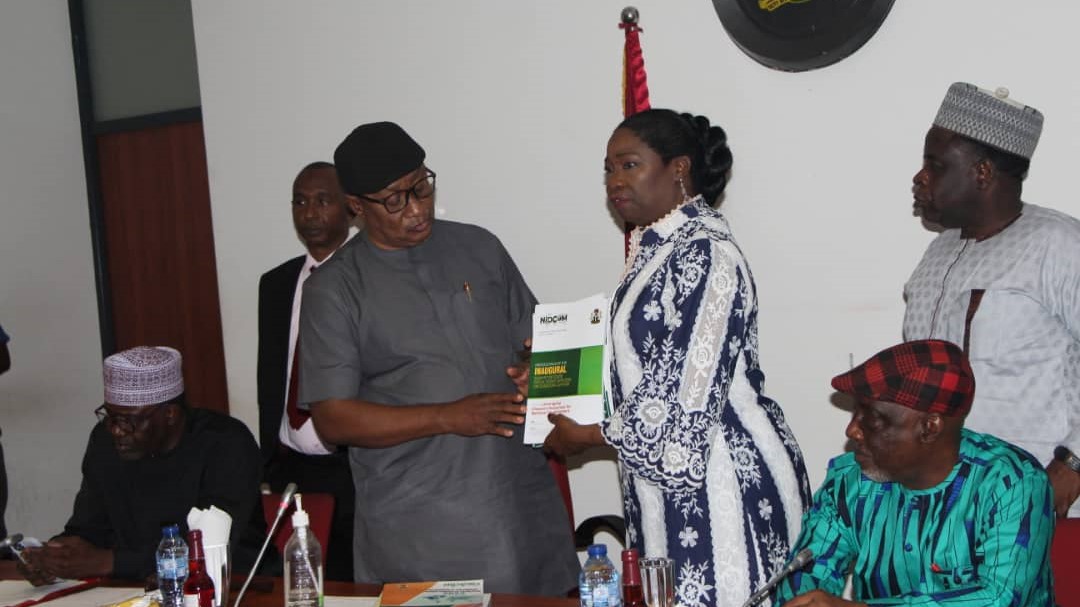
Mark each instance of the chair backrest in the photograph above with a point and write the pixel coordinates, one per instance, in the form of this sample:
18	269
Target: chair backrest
320	509
1065	559
585	533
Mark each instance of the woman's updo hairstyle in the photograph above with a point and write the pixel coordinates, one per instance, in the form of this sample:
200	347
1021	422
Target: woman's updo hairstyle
671	134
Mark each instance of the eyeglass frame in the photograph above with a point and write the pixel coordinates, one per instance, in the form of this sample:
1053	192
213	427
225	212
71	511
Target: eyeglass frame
410	191
129	424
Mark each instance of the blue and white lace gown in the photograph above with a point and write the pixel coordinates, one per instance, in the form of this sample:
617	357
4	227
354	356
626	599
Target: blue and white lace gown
712	475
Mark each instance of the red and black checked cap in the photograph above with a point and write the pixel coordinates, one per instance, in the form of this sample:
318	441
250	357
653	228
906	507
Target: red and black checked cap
928	375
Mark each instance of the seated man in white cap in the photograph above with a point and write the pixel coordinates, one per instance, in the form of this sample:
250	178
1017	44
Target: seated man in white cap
1002	280
149	460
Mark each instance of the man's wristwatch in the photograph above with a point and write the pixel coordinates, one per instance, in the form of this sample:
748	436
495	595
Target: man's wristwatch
1063	455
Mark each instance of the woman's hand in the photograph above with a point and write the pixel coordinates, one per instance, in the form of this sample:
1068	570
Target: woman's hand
569	437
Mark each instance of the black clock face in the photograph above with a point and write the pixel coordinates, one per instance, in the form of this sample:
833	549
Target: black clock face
799	35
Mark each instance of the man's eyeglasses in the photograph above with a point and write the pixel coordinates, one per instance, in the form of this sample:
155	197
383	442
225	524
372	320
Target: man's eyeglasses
125	423
424	188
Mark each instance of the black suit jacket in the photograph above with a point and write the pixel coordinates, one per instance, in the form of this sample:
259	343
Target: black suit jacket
276	290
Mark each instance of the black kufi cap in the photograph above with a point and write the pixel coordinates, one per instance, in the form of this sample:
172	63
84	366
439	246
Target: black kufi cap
375	155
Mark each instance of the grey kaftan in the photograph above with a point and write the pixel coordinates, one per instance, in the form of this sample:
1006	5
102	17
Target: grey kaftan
432	324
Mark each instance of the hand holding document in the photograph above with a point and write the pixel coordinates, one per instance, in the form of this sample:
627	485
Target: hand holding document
567	367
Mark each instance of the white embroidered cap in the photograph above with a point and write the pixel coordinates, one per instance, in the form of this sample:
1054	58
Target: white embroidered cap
991	117
146	375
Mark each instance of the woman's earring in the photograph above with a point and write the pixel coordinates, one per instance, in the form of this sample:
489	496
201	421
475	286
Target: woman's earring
682	187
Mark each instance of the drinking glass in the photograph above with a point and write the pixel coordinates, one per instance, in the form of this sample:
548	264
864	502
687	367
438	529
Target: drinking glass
658	581
219	568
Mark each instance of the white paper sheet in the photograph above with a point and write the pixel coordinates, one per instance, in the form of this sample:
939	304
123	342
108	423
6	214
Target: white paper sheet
95	597
13	592
351	601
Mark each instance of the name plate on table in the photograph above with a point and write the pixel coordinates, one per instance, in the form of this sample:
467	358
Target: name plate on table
566	373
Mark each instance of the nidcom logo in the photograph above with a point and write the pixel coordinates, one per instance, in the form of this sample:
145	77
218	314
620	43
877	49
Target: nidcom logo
553	319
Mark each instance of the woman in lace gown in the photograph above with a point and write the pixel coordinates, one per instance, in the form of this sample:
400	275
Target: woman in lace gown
711	474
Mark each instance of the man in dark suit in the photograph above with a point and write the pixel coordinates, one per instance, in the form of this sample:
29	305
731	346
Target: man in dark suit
292	450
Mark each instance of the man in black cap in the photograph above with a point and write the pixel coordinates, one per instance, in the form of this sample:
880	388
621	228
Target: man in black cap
405	338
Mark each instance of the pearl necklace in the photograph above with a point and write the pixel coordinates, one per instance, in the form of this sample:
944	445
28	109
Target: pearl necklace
639	231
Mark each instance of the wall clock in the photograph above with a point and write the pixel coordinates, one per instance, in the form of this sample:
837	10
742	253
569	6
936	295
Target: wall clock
800	35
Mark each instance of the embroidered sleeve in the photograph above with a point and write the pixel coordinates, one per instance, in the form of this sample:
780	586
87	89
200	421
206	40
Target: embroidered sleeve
687	328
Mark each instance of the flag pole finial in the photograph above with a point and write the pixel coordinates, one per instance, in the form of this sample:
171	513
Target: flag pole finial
630	15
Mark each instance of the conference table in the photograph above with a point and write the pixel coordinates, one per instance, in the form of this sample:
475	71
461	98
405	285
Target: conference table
268	591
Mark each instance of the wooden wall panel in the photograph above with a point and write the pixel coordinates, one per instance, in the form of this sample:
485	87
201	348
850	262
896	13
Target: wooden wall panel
160	250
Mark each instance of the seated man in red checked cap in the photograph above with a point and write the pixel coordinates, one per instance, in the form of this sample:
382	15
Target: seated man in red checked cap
923	511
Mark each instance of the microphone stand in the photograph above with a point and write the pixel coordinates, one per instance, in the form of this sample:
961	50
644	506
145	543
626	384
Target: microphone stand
803	557
286	499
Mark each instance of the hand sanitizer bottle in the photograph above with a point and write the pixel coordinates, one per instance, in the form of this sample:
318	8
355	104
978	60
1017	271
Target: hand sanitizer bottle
303	563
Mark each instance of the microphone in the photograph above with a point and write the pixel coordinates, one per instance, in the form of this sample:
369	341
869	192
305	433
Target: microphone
801	559
13	542
286	500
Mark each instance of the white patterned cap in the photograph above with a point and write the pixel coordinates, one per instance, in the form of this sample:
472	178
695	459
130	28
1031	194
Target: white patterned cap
992	118
146	375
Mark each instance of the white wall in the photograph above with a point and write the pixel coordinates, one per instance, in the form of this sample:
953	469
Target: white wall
514	103
47	300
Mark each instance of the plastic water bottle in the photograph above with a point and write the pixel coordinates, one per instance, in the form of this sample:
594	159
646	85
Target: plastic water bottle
172	566
598	583
303	563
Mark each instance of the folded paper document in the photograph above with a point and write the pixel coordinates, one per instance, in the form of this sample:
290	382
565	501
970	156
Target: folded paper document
458	593
567	367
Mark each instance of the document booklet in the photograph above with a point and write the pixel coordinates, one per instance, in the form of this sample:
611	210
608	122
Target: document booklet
459	593
567	368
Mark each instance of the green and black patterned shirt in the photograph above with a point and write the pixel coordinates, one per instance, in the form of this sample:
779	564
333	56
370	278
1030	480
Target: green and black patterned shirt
980	537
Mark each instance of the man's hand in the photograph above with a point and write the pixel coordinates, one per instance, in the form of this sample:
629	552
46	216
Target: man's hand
820	598
32	572
519	372
1066	484
481	414
569	437
71	557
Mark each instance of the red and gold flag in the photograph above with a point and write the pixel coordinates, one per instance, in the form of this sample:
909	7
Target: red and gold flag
635	85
